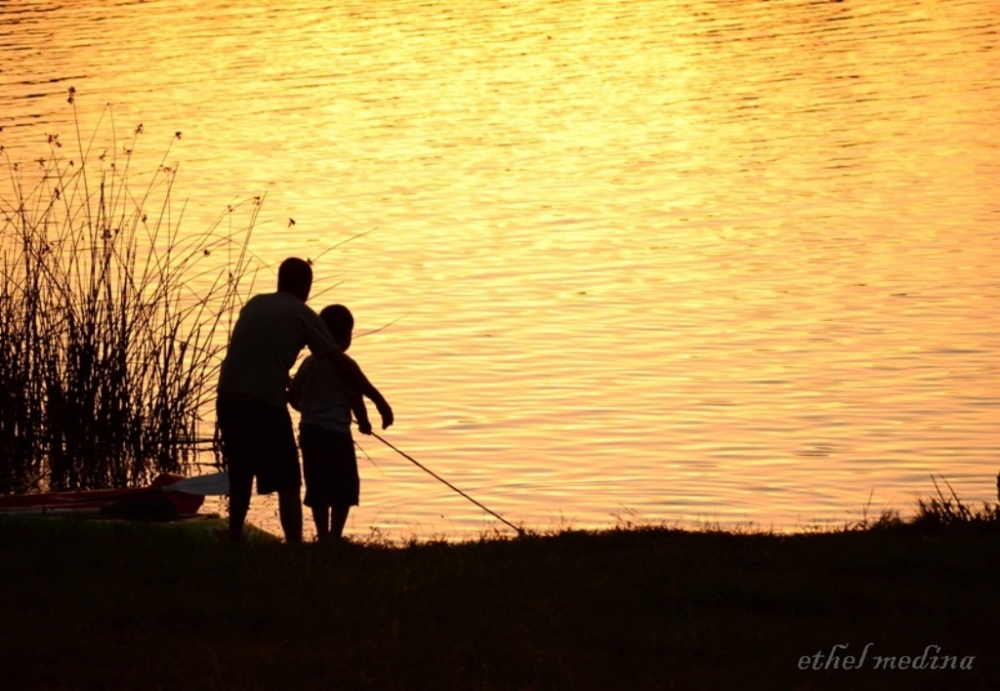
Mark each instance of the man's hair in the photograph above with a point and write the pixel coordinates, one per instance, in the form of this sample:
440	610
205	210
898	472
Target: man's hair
338	320
294	275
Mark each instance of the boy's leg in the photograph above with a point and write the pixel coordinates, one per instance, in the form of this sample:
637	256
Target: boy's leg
314	442
347	484
321	517
338	519
290	514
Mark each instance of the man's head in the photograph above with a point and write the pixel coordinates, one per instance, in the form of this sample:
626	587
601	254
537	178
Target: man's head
295	276
340	322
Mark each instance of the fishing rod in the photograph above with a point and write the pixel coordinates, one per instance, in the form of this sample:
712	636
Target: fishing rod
411	459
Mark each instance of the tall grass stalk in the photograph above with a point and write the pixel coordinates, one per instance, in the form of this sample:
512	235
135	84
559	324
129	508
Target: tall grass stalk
947	511
109	316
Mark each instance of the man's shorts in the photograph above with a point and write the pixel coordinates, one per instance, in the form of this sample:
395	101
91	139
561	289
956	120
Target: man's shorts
330	466
258	441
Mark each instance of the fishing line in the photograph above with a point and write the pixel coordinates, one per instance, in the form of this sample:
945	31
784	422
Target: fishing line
372	460
430	472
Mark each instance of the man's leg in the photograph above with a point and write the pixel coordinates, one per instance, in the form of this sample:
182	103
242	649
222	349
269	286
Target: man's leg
239	504
237	450
290	514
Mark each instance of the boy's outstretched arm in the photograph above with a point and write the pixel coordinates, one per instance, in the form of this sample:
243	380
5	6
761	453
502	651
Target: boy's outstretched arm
361	414
356	379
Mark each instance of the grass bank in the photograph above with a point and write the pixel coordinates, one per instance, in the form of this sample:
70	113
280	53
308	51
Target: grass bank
126	606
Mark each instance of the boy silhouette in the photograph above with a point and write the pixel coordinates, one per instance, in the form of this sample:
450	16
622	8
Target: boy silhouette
326	402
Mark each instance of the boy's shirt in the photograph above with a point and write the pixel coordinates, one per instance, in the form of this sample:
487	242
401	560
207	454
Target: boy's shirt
326	399
271	331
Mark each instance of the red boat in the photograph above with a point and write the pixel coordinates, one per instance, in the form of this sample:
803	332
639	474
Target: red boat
168	497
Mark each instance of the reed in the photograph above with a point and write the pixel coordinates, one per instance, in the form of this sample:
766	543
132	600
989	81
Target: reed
110	316
943	511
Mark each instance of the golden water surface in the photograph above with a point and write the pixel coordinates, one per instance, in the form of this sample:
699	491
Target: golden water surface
686	261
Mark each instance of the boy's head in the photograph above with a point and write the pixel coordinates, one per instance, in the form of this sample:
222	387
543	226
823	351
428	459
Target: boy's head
340	322
295	276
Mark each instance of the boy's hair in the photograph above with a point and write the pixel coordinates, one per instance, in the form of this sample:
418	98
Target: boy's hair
338	320
294	275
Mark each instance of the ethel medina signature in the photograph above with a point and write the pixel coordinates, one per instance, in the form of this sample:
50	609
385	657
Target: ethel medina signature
838	658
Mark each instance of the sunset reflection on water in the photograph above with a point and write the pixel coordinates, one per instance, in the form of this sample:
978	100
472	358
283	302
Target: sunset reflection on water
704	262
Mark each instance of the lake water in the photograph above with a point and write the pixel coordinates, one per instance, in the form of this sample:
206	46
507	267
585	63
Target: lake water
704	261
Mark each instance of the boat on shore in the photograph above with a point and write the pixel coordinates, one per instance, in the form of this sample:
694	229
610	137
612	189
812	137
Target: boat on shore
168	497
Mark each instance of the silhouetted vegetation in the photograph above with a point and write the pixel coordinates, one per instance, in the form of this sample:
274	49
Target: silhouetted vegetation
109	314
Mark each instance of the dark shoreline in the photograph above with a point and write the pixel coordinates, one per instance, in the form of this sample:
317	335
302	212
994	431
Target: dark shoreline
90	605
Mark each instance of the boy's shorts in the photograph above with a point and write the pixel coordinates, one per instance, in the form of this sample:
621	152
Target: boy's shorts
258	441
330	466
